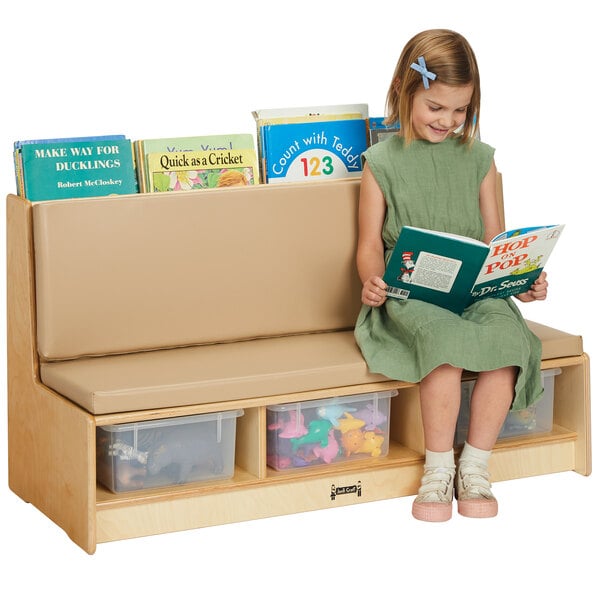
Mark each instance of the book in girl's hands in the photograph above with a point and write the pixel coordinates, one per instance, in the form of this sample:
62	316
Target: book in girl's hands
54	169
192	170
454	271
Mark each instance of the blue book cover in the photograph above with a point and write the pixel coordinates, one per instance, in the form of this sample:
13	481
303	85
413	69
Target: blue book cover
313	151
75	169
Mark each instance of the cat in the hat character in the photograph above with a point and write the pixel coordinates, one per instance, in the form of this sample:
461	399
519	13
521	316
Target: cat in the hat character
407	268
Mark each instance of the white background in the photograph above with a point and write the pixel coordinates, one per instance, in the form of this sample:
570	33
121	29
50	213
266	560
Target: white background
165	69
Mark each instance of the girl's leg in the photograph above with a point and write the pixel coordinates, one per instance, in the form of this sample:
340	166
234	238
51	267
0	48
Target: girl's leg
490	402
491	399
440	403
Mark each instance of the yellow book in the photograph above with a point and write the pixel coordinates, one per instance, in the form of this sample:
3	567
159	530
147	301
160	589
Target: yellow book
203	143
192	170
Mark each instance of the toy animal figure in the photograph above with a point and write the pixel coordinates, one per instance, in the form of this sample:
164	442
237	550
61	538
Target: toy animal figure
349	422
127	452
351	441
129	476
294	426
371	444
128	465
305	455
279	462
332	412
318	433
373	418
182	449
330	451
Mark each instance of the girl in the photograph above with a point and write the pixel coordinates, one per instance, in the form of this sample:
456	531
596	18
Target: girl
435	174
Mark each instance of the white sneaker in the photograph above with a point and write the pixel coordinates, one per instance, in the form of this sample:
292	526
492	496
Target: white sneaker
473	491
434	498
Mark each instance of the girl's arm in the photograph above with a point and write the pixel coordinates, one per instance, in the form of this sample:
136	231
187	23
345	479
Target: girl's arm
492	227
370	252
488	205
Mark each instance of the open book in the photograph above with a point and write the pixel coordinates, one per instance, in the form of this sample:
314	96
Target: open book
454	271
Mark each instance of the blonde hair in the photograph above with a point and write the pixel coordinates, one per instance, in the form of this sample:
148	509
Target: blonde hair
450	56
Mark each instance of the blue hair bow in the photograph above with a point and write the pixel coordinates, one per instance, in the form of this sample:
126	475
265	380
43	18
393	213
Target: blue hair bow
422	68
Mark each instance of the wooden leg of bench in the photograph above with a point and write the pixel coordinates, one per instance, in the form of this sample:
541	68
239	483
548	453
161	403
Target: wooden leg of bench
51	442
572	409
52	462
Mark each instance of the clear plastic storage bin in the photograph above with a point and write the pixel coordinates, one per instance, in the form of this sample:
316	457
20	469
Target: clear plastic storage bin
331	430
535	419
149	454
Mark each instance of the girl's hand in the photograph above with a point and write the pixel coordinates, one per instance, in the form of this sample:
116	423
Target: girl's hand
373	292
538	291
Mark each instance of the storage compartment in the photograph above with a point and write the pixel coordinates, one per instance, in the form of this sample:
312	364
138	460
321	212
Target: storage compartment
537	418
150	454
331	430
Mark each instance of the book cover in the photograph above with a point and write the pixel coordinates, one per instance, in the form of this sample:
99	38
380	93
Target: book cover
76	167
379	131
313	150
18	161
192	170
201	143
300	114
454	271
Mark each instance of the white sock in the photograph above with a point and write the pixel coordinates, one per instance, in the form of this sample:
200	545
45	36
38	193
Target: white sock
472	454
434	460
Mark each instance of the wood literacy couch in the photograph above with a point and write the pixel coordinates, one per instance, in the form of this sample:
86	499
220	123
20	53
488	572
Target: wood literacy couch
134	308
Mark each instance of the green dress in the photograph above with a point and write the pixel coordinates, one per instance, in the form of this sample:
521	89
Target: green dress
436	186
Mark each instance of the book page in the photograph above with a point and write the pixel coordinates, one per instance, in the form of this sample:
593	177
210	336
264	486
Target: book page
435	272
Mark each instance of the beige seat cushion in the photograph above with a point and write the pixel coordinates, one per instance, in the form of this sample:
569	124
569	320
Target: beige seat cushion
556	343
201	374
238	370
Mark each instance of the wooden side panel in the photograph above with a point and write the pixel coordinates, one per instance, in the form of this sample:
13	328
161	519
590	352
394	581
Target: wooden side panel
572	408
51	442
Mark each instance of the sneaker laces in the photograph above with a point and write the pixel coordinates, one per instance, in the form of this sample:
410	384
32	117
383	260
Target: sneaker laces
475	481
436	485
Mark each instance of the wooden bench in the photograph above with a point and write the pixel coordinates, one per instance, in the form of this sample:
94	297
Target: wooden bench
134	308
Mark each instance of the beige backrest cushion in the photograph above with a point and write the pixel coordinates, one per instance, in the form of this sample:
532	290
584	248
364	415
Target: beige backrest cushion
130	273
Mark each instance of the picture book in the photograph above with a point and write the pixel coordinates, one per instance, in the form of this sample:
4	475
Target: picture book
379	131
192	170
313	151
454	271
266	118
62	168
18	162
200	143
